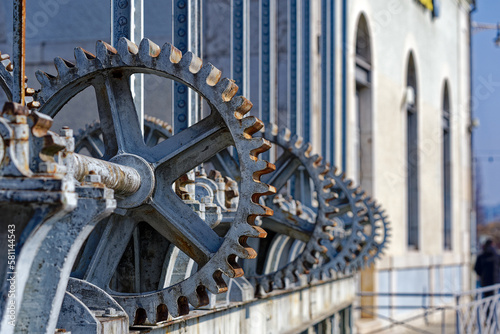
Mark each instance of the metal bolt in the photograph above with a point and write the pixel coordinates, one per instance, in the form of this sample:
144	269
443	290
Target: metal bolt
92	178
110	311
47	167
66	132
206	200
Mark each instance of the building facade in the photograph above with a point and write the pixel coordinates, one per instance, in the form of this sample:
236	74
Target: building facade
408	140
380	88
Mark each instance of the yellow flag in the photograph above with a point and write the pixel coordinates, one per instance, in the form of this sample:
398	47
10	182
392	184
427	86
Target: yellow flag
428	4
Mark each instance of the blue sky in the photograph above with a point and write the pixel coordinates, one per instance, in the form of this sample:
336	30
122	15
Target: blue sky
486	95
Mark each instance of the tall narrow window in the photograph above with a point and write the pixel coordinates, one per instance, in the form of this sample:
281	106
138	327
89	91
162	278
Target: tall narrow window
446	168
361	137
412	154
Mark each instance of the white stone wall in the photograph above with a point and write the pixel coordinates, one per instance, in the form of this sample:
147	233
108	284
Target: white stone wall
440	48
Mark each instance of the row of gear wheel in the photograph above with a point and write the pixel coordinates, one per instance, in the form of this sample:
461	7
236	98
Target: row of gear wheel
299	235
156	254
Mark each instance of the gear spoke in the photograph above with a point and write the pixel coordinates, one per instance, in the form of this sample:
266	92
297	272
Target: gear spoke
94	147
195	145
119	122
286	166
297	228
227	165
182	227
110	250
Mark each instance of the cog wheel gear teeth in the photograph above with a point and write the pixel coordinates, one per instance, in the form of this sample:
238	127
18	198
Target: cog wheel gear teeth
241	105
7	82
251	125
167	127
227	89
149	52
308	256
207	82
283	137
271	131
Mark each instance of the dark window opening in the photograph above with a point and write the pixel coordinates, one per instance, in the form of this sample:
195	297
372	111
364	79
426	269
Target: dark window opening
446	169
412	156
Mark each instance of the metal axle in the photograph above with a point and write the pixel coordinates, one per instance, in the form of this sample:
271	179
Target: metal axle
123	180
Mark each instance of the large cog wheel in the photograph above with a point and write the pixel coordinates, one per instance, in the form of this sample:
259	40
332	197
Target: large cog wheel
108	73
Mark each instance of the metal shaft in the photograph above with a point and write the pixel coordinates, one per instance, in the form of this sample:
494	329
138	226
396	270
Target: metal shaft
19	41
123	180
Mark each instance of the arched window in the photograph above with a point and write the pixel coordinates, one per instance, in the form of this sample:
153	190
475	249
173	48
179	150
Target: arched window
412	154
362	133
446	168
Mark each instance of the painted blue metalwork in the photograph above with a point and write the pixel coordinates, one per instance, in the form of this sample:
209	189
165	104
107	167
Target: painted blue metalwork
267	107
332	86
292	66
324	79
306	70
128	21
181	41
240	44
344	84
122	20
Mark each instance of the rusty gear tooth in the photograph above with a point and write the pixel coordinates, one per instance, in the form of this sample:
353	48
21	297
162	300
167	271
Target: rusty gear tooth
259	145
241	105
210	74
104	52
271	130
29	91
251	125
195	62
126	49
45	79
284	137
171	53
85	61
63	66
148	49
227	89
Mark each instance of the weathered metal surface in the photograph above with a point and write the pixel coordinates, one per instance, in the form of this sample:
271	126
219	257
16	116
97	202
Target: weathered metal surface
157	245
283	312
88	309
125	180
165	211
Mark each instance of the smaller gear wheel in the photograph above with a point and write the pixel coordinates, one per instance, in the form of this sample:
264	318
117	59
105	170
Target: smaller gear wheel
300	230
7	82
376	232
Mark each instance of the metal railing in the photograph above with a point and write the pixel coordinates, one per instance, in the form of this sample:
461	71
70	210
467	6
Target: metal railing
476	311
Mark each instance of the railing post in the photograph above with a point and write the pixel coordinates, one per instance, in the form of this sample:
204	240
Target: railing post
457	314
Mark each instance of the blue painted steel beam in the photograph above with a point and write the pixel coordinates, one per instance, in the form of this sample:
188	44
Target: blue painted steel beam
324	79
344	84
306	70
267	63
240	49
187	37
293	69
181	41
332	78
128	21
